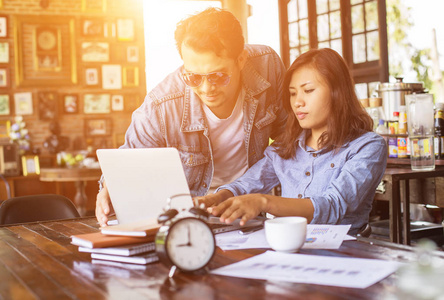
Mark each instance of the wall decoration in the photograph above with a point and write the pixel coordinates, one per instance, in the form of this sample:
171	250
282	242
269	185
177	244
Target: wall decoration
109	29
94	5
3	26
117	103
47	49
4	78
47	102
5	129
4	52
91	76
132	54
111	77
97	127
70	104
23	103
30	165
92	28
50	41
125	29
130	76
5	107
96	104
95	52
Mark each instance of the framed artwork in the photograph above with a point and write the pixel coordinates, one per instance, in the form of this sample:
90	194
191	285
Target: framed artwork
95	52
132	54
5	129
97	127
23	103
3	25
4	78
92	76
94	5
92	28
109	29
47	102
125	29
50	43
70	104
96	104
4	52
130	76
30	164
111	77
117	103
5	107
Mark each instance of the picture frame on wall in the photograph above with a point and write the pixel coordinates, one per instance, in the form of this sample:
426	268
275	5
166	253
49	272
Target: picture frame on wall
50	42
3	26
109	29
132	54
23	103
4	52
95	52
94	6
117	103
97	127
125	30
96	104
5	106
92	76
70	104
47	103
4	78
111	77
30	165
92	28
5	129
130	76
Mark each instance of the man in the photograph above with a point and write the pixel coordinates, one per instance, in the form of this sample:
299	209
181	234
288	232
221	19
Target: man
219	109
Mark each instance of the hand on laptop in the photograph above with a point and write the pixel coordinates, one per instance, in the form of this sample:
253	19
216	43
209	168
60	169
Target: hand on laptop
104	207
230	208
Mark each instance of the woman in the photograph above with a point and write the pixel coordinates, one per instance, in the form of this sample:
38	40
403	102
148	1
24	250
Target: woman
327	161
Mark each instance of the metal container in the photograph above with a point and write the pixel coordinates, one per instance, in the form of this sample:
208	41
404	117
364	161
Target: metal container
393	95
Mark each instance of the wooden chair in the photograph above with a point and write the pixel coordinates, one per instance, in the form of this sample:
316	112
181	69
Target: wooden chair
36	208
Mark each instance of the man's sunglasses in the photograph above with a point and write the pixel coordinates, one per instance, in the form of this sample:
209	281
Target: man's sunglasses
216	78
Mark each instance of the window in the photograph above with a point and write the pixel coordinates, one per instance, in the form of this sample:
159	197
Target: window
351	27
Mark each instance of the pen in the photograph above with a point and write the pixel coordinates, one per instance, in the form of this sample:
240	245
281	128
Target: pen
248	230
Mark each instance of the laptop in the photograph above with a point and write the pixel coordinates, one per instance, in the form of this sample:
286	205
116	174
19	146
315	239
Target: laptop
140	180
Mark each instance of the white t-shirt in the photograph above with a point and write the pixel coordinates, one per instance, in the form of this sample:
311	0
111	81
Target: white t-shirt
228	143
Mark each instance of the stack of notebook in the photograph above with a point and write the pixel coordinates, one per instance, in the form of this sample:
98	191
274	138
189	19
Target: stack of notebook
133	243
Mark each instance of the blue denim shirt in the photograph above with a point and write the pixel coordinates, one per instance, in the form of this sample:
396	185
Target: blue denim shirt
172	116
340	185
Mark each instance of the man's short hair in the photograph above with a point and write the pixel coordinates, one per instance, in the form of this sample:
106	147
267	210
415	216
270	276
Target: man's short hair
214	30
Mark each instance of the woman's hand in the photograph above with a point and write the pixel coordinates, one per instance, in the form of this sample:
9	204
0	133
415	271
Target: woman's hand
213	199
245	207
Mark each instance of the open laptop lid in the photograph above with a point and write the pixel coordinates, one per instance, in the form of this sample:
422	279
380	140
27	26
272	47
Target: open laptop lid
139	181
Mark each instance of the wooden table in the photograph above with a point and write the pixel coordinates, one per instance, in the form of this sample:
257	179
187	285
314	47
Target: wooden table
78	175
395	176
38	261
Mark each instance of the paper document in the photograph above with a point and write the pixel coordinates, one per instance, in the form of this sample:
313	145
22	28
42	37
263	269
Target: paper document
302	268
318	237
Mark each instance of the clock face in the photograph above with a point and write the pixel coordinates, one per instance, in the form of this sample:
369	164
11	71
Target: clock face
46	40
190	244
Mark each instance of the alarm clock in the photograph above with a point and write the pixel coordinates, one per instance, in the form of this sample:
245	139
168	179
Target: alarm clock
185	241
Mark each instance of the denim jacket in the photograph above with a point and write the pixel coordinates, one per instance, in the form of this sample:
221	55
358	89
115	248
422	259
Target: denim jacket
172	116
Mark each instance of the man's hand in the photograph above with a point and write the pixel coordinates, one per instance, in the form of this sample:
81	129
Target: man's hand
245	207
104	207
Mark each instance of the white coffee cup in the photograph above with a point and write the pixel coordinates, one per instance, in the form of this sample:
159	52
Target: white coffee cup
286	234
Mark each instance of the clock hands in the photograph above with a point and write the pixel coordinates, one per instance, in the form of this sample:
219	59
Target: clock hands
188	244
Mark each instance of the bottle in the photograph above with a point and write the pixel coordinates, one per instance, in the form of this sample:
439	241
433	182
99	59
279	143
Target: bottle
381	129
402	126
439	129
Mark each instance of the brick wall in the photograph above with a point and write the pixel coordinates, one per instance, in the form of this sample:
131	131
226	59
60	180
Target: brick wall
25	19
